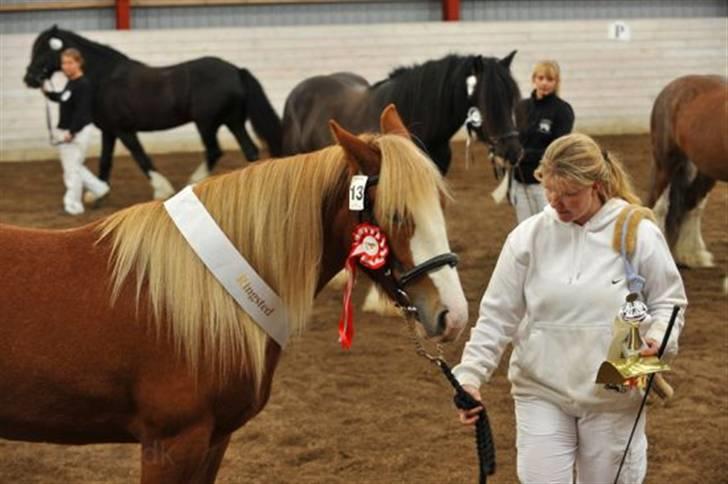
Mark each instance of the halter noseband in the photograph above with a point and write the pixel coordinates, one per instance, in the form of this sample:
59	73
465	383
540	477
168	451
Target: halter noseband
394	286
474	119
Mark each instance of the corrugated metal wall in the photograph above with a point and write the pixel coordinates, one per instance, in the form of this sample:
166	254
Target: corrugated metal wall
285	15
356	13
37	21
516	10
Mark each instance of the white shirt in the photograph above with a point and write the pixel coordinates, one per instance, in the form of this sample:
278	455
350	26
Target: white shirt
554	293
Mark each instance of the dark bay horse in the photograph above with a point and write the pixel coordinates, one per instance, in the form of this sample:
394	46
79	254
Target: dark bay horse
131	97
434	100
116	331
690	152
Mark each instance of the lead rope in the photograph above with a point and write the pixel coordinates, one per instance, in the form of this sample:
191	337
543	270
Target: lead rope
49	125
464	401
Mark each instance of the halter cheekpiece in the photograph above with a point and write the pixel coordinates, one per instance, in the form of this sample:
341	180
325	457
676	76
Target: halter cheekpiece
370	251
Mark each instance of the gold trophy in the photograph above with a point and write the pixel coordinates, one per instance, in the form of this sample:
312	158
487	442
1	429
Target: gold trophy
625	368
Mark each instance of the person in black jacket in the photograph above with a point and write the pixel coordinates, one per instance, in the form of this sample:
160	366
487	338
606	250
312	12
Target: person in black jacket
76	102
541	118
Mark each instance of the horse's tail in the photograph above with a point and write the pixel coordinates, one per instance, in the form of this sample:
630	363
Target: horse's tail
292	133
265	120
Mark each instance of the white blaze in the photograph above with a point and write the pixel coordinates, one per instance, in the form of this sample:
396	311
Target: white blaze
428	241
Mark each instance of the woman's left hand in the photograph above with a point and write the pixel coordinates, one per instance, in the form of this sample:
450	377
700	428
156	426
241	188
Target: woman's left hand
68	137
651	348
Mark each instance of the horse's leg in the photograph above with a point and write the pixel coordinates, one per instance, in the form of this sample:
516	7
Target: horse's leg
180	458
162	188
250	150
690	249
108	141
208	471
213	152
441	155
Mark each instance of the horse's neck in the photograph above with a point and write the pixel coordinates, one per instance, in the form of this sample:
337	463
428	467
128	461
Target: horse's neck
445	111
100	60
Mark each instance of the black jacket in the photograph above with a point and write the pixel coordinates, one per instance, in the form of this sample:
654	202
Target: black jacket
76	104
540	121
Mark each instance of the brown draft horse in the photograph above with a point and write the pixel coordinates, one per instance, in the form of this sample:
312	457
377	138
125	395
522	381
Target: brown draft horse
690	151
116	332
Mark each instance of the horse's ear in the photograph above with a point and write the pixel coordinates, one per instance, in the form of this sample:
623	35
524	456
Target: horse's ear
506	61
365	156
391	123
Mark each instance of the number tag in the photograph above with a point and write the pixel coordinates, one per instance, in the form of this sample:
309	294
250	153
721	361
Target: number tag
356	192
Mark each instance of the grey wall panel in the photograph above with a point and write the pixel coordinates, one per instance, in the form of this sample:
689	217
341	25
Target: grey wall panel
283	15
520	10
37	21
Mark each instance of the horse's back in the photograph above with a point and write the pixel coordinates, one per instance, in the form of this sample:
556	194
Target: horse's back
316	100
685	122
139	97
689	120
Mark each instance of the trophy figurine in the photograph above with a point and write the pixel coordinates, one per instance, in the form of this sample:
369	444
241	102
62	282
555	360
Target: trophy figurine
625	368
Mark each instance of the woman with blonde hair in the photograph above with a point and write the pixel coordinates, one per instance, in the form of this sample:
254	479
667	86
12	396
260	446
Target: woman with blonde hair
541	118
554	293
76	103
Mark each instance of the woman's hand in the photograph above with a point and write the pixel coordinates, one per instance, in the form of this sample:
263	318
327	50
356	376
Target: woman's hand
469	417
67	137
651	348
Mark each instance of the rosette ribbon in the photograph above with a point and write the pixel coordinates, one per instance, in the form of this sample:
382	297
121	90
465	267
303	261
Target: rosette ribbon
369	248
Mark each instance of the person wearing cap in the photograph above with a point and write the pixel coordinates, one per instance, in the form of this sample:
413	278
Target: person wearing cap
75	124
554	293
541	118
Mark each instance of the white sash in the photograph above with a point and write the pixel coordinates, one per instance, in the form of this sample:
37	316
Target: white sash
228	266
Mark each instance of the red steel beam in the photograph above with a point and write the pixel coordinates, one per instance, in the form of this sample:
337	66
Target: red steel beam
123	15
450	10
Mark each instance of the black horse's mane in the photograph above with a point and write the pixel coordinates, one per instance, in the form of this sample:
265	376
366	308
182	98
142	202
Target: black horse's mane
80	41
440	82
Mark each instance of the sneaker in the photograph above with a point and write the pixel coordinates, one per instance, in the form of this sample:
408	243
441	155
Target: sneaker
90	197
73	208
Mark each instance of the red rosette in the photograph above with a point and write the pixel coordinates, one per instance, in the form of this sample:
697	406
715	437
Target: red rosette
369	247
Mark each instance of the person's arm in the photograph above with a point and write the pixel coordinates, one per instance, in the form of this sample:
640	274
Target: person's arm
501	310
663	285
82	108
49	93
564	121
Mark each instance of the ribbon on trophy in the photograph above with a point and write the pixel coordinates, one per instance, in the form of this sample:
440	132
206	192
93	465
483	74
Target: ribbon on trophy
370	249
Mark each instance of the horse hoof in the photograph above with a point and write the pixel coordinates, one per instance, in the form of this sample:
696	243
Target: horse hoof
700	259
162	188
199	174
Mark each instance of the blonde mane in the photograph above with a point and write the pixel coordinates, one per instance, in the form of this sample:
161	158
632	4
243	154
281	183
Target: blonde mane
272	212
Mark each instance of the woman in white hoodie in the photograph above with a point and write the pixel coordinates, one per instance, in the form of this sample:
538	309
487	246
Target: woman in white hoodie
554	293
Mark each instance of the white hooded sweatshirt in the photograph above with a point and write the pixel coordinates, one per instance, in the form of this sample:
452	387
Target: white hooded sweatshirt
555	292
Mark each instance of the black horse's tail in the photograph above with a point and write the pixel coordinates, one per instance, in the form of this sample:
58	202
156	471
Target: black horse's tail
265	120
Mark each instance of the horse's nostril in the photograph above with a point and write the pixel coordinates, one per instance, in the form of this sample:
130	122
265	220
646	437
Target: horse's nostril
442	321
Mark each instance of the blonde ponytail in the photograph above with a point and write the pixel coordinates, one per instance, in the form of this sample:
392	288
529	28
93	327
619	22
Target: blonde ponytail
579	159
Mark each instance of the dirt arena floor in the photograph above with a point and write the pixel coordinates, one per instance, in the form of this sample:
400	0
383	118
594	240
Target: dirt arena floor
379	413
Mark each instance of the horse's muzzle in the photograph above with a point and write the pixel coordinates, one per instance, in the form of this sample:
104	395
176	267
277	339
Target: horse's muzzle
33	80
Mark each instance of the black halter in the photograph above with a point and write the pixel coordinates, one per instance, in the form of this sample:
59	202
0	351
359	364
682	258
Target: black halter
390	283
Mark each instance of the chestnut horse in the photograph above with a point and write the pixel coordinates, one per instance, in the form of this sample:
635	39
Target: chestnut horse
116	331
690	151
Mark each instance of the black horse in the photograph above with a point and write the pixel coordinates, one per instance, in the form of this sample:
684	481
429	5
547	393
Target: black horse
130	96
434	99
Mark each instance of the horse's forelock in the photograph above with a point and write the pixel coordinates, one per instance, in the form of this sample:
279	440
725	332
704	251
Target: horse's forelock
496	85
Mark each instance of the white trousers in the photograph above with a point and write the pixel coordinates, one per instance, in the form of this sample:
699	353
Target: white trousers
554	446
527	199
76	176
